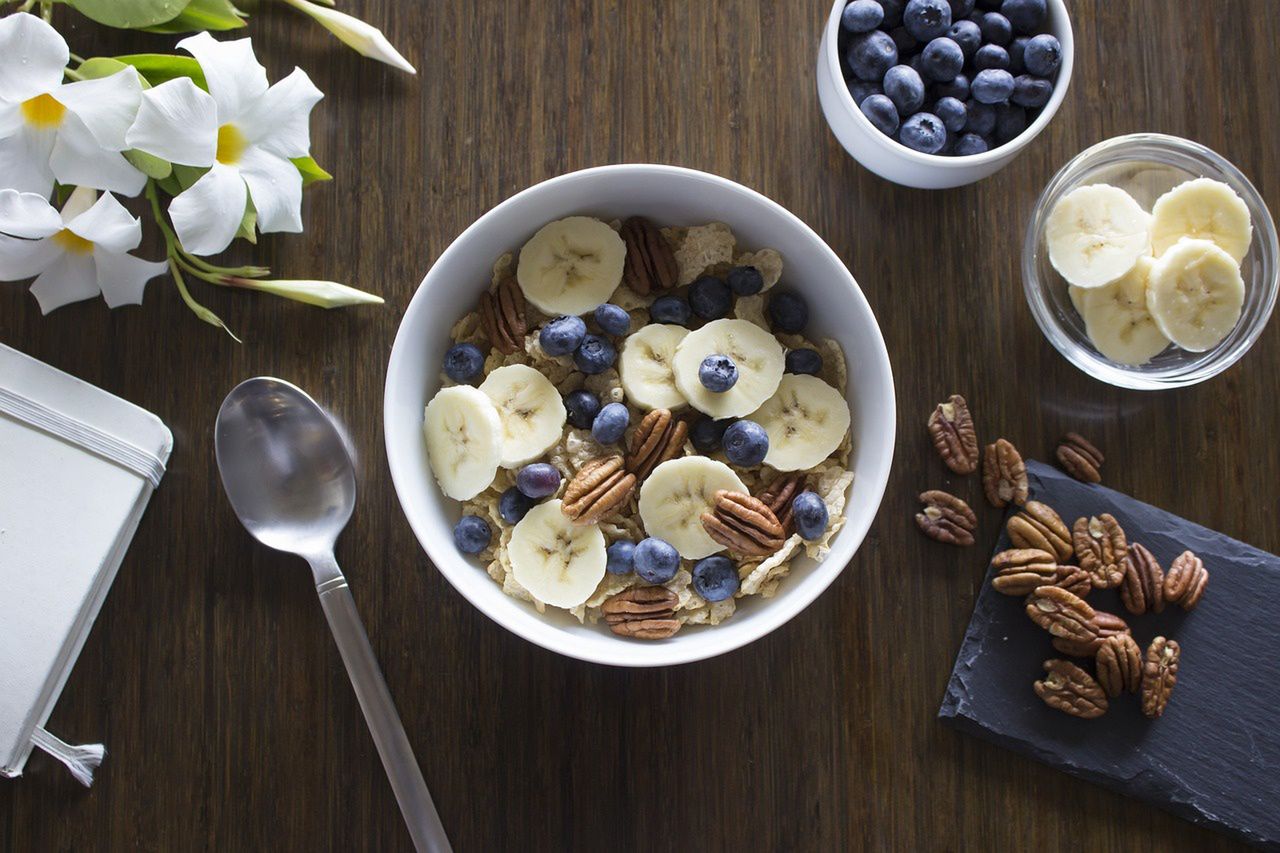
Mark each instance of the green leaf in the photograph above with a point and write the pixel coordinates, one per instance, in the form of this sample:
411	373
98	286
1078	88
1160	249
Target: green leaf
130	14
311	171
188	175
199	15
99	67
149	164
159	68
170	185
249	224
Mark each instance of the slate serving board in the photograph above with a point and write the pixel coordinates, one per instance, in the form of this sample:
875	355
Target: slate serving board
1214	757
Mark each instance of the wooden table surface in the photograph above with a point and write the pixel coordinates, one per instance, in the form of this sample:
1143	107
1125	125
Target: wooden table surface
210	674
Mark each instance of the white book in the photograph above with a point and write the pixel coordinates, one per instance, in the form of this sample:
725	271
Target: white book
77	467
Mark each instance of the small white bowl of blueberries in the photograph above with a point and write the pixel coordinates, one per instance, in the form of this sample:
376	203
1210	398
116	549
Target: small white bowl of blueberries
940	93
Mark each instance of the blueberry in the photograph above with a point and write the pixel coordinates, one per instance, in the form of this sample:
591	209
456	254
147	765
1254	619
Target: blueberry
655	561
1011	120
1025	15
992	86
706	434
991	56
620	557
924	132
513	505
745	281
967	35
745	443
927	19
892	13
718	373
472	534
903	86
788	312
861	16
611	423
613	319
538	480
943	59
982	118
881	112
804	361
810	514
871	54
860	90
594	355
1017	53
710	298
582	407
953	114
996	29
917	62
715	578
1031	91
1043	55
670	309
957	88
903	40
969	143
562	335
463	361
960	8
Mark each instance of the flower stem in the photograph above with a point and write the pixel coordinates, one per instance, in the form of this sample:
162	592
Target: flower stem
199	310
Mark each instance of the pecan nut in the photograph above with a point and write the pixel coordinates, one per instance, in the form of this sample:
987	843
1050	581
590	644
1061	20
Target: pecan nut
951	427
600	487
744	525
1106	625
1004	475
1020	570
1079	458
1074	579
946	518
1143	586
1159	675
1038	526
1062	614
778	495
1119	663
1071	690
1101	546
642	612
502	316
650	262
1186	580
658	438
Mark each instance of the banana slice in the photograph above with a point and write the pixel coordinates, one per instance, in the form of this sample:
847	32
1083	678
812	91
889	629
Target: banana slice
677	493
1195	293
560	563
1095	234
531	410
571	265
644	367
757	354
806	420
1117	320
464	440
1206	210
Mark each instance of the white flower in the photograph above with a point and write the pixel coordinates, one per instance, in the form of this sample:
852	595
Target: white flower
364	39
245	131
73	132
77	255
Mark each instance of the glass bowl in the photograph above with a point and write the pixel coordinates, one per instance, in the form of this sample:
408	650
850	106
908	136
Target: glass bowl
1146	165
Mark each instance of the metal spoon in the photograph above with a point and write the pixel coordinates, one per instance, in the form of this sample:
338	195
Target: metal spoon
289	475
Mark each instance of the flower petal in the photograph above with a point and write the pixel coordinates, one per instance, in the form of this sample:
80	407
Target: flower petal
107	106
122	278
10	119
236	79
21	259
80	200
32	56
275	185
70	278
280	120
363	38
177	121
24	160
108	226
208	214
27	215
78	160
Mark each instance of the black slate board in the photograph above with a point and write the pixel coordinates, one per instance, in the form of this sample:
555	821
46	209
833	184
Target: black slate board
1214	757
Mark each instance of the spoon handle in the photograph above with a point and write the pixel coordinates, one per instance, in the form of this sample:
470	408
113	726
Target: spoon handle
380	713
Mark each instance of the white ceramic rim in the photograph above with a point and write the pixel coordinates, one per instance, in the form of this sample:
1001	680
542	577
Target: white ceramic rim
780	610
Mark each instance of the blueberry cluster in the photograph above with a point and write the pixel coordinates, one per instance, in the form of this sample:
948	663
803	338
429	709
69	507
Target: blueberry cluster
953	77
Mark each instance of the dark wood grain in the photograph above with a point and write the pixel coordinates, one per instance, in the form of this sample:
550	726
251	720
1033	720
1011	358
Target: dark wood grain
210	674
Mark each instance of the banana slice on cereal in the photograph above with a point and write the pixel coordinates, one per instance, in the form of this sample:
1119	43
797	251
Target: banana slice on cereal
464	440
560	563
806	419
645	366
571	265
755	352
677	493
530	408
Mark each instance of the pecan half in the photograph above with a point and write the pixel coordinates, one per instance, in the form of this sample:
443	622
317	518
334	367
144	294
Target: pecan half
650	262
502	316
1143	586
1079	458
1020	570
1101	547
1062	614
1074	579
778	495
1071	690
1186	580
1159	674
657	438
1038	526
1004	475
1104	625
744	525
1119	663
951	427
946	518
599	488
642	612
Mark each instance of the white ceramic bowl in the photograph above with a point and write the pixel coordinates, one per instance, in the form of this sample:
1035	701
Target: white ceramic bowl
669	196
900	164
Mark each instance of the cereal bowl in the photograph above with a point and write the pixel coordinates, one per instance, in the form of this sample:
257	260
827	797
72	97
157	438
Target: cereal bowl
668	196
